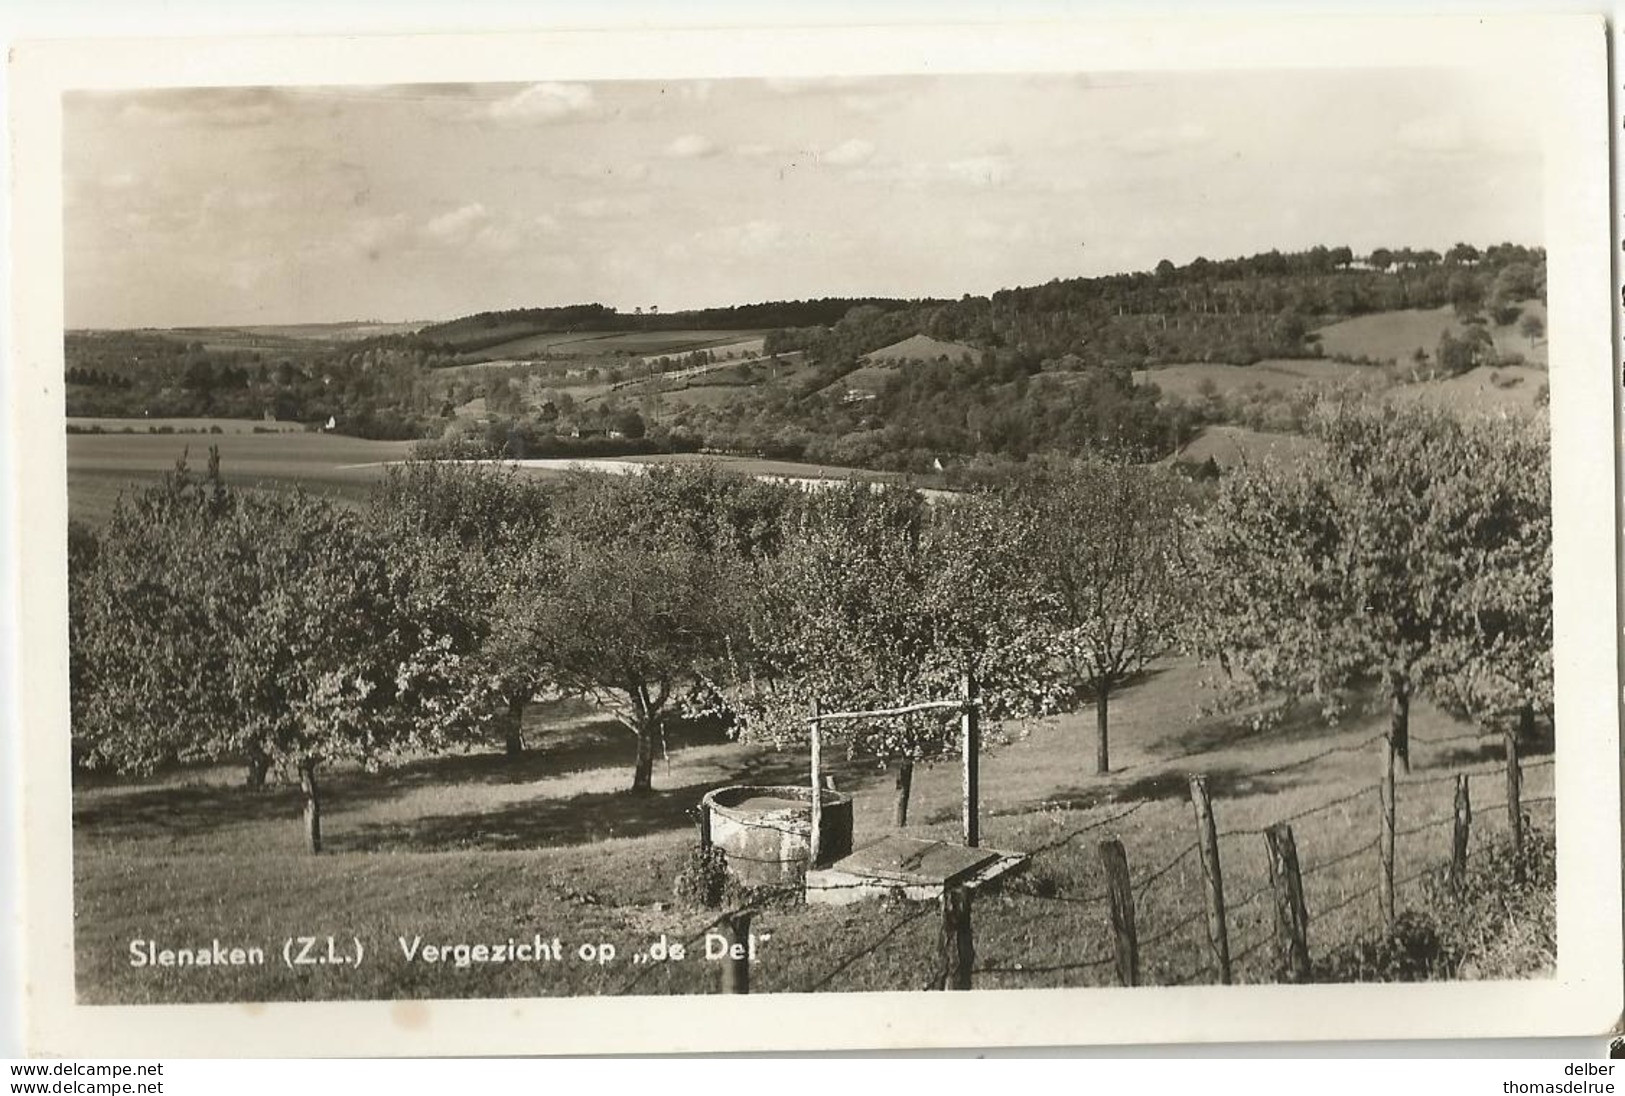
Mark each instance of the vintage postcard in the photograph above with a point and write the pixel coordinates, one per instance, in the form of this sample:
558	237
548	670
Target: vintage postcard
931	536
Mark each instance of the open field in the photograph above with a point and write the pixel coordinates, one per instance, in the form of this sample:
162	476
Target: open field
1485	390
693	395
1193	380
287	338
471	848
1229	446
760	468
181	426
739	348
923	348
1395	336
347	331
720	384
604	343
100	466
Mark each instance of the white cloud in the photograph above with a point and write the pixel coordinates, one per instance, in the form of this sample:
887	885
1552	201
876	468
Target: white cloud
970	171
691	146
853	151
606	206
374	234
544	102
460	225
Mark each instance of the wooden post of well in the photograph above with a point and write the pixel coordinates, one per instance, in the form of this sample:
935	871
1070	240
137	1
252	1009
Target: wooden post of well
702	822
1291	916
1115	863
736	968
958	950
970	734
1207	839
815	838
1385	846
1458	838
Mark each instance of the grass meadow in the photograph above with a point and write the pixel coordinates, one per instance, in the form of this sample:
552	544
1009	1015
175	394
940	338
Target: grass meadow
1192	380
640	343
1395	336
102	466
474	848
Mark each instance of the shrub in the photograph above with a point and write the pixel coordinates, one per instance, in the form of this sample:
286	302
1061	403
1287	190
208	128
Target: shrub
1502	920
703	878
1499	922
1412	952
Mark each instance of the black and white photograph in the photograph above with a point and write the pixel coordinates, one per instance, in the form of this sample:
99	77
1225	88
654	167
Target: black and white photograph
1043	541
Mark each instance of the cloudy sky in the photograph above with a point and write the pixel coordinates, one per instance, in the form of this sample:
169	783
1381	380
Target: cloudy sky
239	206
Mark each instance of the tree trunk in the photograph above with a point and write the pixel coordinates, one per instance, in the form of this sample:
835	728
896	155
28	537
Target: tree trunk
905	785
513	741
1399	726
259	766
313	806
1102	747
1526	725
643	771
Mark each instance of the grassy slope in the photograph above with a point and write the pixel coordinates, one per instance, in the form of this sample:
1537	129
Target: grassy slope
465	849
1517	388
1395	336
1186	380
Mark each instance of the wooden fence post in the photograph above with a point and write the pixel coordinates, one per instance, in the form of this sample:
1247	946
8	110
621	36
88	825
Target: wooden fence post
815	838
1291	916
1207	841
736	968
958	949
1514	801
1458	839
971	744
1385	846
1121	888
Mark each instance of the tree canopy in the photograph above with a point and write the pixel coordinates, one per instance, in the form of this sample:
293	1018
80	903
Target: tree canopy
1104	551
1412	557
258	626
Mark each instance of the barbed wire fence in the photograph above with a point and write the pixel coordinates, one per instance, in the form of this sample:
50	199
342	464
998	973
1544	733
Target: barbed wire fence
1123	930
